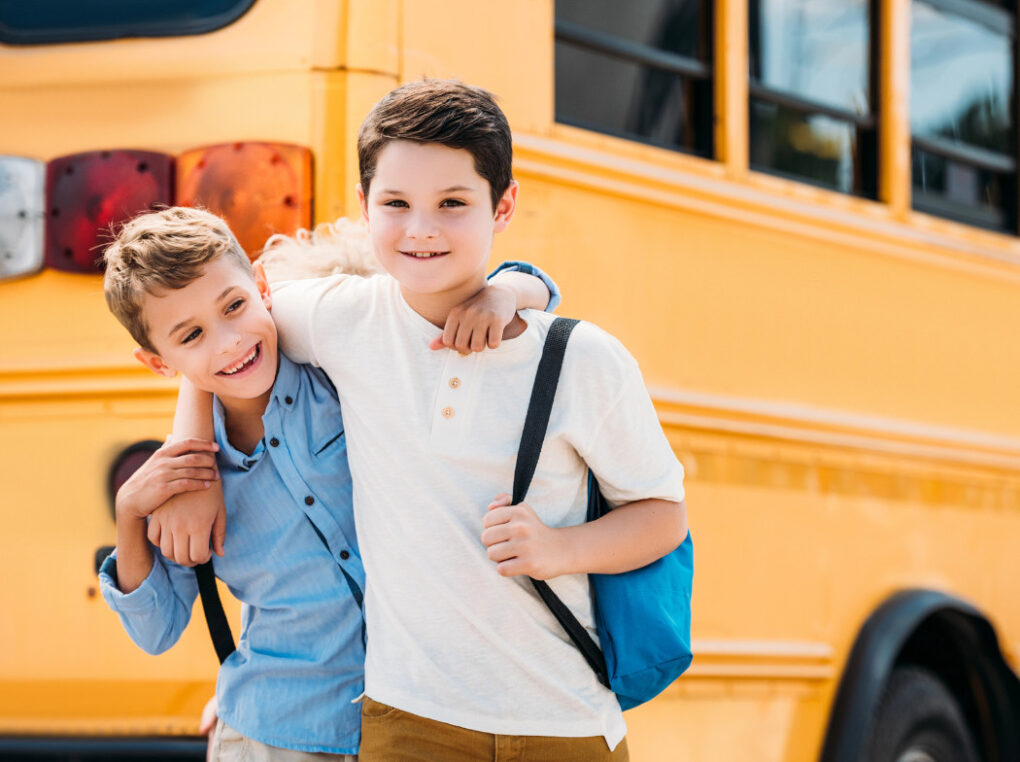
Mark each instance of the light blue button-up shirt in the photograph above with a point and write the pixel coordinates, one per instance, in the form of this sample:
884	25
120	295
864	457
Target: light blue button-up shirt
291	557
296	568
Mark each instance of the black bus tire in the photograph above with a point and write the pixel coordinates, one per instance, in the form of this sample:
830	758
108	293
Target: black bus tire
918	720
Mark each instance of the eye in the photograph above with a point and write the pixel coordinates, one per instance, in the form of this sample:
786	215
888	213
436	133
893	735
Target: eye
396	203
191	336
236	304
452	203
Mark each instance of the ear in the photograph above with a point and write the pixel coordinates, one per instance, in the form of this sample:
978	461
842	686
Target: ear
154	362
506	207
362	201
262	284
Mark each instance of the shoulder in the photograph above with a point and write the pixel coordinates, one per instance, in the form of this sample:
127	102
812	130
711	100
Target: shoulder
590	349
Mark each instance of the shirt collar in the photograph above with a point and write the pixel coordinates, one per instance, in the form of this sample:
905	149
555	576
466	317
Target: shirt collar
286	389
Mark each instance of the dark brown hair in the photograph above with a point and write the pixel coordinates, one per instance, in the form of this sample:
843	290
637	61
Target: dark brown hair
446	112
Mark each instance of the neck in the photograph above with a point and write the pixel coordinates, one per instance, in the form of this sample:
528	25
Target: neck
243	418
436	307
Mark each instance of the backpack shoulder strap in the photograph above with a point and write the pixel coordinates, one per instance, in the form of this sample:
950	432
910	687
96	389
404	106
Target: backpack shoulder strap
215	618
536	423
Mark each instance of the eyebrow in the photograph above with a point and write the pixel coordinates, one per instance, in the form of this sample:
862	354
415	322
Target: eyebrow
188	320
452	189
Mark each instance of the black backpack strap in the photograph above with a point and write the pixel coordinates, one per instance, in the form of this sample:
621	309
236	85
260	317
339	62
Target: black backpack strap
536	422
219	627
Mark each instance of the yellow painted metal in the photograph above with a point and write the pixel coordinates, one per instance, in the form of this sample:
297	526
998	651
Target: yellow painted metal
894	102
731	99
833	372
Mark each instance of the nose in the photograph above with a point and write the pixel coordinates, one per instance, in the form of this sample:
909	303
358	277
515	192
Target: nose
229	341
421	226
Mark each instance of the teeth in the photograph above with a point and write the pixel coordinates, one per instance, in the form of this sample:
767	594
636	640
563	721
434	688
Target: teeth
423	254
235	368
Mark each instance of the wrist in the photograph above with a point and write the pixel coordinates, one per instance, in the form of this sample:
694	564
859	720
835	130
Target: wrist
566	553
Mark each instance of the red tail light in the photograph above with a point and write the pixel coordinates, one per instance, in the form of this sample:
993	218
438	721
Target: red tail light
87	193
258	188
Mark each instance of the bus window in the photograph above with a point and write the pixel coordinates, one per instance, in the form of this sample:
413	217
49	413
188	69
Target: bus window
638	70
962	118
811	114
73	21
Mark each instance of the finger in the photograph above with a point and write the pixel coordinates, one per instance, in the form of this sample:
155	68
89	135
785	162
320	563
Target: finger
496	516
495	337
166	545
437	343
153	532
194	459
182	550
202	474
478	340
219	531
192	444
496	534
501	551
500	500
453	324
198	549
511	567
463	341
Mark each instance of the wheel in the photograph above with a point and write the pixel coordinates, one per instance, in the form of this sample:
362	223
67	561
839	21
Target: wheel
919	720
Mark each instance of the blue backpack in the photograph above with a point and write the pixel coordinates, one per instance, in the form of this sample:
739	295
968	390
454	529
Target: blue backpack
643	616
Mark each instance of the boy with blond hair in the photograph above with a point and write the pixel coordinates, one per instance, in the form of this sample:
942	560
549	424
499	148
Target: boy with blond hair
464	661
180	283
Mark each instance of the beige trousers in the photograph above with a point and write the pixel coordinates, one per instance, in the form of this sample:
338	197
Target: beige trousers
230	746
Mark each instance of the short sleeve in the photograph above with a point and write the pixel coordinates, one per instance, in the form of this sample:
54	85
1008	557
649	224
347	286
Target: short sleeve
620	436
297	307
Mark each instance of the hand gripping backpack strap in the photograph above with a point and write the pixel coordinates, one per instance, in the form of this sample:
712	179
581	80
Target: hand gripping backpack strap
219	628
536	422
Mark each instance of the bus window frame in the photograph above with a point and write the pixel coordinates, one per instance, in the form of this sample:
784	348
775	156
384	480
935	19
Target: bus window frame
149	29
867	125
690	69
997	18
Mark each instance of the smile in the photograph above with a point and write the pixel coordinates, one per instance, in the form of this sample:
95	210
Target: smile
424	254
244	363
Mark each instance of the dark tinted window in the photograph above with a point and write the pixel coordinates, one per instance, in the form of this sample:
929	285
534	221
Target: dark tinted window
811	113
25	22
962	111
639	69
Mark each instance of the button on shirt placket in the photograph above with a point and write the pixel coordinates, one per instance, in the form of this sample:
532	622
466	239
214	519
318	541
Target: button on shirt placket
454	398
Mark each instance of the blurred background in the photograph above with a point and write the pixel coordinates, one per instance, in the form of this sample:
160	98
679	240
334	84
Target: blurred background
799	215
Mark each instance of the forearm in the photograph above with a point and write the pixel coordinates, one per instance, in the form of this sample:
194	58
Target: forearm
134	556
628	537
529	291
194	414
186	524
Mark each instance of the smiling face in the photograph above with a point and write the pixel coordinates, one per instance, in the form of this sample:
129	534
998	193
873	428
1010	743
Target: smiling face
431	220
216	331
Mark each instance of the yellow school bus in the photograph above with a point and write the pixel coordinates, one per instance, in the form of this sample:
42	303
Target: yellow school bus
800	215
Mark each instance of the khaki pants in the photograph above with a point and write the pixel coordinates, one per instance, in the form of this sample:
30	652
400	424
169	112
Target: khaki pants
391	735
230	746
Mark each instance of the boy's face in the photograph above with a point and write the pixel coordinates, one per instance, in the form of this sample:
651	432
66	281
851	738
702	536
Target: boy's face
216	331
431	219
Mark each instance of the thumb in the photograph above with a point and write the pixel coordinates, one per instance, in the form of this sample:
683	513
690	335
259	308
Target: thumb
219	531
437	343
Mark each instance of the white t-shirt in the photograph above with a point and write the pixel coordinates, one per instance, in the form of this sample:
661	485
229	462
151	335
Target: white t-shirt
432	439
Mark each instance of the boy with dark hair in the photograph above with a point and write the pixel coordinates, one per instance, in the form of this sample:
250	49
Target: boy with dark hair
464	661
180	283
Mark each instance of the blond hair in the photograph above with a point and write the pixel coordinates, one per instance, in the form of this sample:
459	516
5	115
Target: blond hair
343	246
164	249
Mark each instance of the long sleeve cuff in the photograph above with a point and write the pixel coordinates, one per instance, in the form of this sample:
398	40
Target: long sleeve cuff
529	269
146	597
